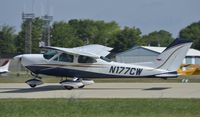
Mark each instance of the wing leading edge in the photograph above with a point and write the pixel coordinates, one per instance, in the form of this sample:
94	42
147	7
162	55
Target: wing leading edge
93	50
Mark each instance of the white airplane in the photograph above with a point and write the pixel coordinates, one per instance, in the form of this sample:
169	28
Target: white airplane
89	61
4	67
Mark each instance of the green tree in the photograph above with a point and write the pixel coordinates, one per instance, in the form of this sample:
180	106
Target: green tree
96	32
83	29
105	32
7	37
125	39
19	42
158	38
80	32
63	35
192	32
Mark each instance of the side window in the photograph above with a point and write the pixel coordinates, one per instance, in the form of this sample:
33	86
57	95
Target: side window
105	59
86	59
65	58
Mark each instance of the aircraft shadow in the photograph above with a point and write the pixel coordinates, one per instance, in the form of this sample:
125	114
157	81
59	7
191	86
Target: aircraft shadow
58	87
146	89
111	88
156	88
37	89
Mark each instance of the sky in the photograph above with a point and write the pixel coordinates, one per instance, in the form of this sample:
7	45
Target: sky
147	15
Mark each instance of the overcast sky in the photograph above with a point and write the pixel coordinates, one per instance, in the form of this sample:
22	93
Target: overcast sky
148	15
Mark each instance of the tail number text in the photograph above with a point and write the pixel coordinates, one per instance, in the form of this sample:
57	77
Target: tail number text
125	70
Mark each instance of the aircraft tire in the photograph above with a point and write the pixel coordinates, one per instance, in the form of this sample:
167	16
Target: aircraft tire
32	85
81	86
185	80
68	87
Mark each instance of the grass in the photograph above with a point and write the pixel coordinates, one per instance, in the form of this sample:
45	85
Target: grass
99	107
22	77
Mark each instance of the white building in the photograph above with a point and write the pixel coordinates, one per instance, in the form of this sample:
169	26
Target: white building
149	53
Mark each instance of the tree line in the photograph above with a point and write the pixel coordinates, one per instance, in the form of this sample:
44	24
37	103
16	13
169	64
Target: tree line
77	32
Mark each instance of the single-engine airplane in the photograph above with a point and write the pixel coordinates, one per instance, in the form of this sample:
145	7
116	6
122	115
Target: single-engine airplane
4	67
89	61
188	70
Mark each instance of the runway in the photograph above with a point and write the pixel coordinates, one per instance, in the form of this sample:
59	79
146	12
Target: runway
103	90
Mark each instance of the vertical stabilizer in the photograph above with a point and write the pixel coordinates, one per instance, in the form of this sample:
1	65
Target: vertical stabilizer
171	58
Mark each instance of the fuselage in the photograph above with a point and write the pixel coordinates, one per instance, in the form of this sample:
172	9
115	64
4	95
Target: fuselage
89	62
64	65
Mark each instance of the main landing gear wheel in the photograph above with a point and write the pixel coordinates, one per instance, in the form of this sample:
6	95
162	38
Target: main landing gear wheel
68	87
75	83
81	87
32	85
185	80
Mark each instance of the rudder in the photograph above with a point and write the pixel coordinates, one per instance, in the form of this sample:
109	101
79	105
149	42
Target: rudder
171	58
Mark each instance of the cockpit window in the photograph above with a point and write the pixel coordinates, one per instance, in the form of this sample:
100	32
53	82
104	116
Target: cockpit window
64	58
49	54
86	59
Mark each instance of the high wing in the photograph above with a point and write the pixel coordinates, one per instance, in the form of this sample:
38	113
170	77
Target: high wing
94	50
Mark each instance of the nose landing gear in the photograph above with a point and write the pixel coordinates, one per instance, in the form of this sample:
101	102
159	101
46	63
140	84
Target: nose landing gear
34	81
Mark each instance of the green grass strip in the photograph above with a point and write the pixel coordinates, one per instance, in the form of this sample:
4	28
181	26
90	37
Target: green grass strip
99	107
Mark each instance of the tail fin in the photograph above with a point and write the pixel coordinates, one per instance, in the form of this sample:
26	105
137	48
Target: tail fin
4	67
171	58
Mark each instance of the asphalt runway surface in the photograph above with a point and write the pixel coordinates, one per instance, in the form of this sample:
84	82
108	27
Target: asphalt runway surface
103	90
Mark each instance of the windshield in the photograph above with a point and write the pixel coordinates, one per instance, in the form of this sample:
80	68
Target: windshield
49	54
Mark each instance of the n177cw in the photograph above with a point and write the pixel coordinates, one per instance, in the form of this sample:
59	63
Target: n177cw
87	62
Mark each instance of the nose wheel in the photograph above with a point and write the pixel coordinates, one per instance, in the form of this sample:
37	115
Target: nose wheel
35	81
